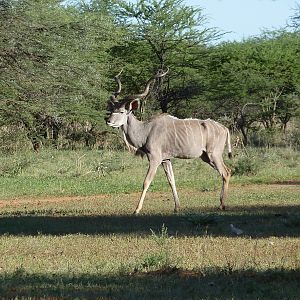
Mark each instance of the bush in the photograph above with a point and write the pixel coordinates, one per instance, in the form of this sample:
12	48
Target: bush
14	165
245	165
266	138
293	139
13	139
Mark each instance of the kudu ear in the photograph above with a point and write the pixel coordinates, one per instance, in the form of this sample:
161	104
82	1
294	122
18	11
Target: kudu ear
132	105
110	105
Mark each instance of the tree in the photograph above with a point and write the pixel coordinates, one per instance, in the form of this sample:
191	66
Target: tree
171	30
53	63
256	80
295	19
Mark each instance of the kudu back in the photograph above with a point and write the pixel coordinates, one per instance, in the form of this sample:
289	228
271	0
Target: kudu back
165	137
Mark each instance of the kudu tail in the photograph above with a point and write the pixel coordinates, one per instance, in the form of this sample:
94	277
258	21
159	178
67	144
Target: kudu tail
229	144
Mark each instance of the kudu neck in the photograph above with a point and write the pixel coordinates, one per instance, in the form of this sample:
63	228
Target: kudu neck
135	131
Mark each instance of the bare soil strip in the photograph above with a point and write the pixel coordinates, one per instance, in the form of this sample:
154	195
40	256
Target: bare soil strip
60	199
21	201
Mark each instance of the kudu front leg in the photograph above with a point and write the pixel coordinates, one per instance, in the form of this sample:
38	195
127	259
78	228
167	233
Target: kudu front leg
149	177
167	165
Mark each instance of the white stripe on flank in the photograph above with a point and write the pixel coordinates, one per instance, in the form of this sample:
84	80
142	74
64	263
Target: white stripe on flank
217	129
199	124
209	127
175	142
186	129
218	124
192	131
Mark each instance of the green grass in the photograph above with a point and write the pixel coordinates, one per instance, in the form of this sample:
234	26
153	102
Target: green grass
89	245
65	173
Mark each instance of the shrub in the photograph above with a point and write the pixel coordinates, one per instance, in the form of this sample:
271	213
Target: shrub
160	259
13	139
245	165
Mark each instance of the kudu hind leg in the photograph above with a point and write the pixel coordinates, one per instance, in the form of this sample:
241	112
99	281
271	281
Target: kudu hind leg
167	165
216	161
148	179
225	174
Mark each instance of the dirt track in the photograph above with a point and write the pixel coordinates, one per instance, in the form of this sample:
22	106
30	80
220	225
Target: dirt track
22	201
43	200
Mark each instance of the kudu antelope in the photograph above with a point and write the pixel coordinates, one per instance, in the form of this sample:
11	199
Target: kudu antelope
165	137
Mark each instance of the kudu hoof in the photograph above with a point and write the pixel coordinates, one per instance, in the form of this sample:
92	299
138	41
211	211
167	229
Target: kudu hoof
222	207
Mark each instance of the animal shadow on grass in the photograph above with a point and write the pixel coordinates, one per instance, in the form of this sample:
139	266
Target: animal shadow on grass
255	221
174	284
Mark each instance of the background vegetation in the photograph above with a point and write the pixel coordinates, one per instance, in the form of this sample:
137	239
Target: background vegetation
57	60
